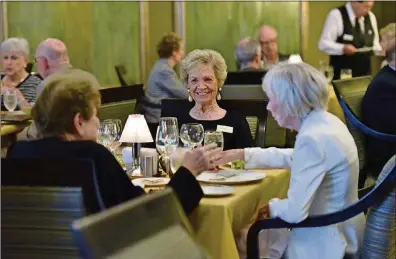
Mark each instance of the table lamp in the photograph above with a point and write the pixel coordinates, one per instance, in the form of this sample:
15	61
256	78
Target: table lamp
136	132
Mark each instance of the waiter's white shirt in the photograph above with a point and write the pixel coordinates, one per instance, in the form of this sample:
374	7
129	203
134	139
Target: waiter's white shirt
334	28
324	168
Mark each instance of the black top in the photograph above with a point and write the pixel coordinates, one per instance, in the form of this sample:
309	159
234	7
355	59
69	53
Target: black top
359	63
379	113
241	136
114	185
247	76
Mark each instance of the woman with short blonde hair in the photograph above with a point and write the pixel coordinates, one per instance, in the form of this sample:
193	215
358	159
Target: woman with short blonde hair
15	55
324	164
203	72
66	115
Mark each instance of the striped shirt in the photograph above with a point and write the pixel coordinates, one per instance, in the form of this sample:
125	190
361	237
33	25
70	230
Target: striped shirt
28	88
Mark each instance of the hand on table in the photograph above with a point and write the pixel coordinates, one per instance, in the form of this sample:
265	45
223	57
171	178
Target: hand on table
202	158
230	155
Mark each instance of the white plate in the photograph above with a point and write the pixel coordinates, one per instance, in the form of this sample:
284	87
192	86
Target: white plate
230	177
217	190
151	181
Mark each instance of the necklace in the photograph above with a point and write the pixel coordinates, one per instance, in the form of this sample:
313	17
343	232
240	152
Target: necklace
12	84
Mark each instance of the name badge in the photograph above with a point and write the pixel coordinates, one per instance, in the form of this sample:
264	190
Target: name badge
347	37
225	129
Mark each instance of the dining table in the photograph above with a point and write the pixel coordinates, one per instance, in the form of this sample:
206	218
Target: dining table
9	130
218	220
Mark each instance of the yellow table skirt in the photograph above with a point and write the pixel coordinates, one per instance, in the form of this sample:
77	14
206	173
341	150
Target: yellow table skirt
217	220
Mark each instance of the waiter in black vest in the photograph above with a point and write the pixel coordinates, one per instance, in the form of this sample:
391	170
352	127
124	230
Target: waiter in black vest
350	37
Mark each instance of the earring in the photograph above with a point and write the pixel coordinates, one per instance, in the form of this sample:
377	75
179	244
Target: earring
190	99
218	97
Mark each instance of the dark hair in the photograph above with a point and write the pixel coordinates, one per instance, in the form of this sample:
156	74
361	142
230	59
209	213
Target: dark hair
168	44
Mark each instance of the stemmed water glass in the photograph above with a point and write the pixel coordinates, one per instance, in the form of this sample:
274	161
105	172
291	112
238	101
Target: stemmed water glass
109	133
10	100
192	134
327	71
167	138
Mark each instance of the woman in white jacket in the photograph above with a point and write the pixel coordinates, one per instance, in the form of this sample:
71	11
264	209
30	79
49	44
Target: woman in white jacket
324	164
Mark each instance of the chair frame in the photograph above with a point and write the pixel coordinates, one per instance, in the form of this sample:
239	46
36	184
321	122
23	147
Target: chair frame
352	118
248	108
55	173
245	77
375	196
120	70
119	94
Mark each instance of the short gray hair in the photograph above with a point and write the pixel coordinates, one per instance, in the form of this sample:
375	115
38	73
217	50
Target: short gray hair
207	57
15	45
298	87
388	35
247	50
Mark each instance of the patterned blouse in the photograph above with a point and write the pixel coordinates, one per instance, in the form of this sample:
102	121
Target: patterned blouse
28	88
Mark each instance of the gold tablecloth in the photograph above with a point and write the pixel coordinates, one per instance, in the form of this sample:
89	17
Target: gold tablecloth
217	220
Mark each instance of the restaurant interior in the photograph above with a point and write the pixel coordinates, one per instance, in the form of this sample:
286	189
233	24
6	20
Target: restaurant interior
164	129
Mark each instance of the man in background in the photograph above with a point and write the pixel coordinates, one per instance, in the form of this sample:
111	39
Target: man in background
248	54
349	36
379	105
52	61
52	58
268	39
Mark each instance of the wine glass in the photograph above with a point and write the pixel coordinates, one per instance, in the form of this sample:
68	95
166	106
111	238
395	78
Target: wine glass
115	131
327	71
212	136
346	73
107	133
10	100
167	138
176	158
192	134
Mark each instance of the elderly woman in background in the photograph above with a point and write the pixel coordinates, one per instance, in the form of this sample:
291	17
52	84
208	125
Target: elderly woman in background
15	55
324	164
163	81
204	73
66	116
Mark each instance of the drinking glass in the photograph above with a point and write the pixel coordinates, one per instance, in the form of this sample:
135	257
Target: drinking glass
346	73
327	71
10	100
167	139
192	134
115	131
107	134
214	137
176	158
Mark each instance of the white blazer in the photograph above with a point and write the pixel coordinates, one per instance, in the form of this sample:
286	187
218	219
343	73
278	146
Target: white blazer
324	178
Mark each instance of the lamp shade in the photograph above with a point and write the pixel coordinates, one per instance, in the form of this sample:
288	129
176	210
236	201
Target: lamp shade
136	130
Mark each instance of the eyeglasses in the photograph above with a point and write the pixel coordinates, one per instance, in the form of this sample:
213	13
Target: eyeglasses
37	58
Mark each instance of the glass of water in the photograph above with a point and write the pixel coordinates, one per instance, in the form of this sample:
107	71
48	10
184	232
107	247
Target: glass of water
192	134
346	73
327	71
10	100
212	136
176	158
167	139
